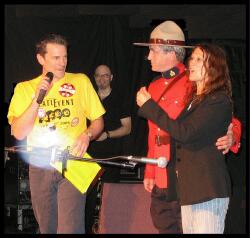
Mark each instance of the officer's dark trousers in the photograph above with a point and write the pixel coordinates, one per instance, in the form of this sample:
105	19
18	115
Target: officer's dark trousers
166	215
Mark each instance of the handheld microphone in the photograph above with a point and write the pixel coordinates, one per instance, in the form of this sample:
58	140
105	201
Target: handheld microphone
42	92
160	162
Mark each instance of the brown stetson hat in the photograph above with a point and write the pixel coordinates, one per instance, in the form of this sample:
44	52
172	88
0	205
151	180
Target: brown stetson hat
167	33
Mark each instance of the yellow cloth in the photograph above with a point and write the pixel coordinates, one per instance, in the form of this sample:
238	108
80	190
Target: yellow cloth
62	117
79	173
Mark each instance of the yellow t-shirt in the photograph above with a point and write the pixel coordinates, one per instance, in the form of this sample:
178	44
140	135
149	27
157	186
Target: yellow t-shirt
65	108
61	119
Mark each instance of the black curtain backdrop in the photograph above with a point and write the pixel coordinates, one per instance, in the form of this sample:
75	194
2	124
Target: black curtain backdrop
108	40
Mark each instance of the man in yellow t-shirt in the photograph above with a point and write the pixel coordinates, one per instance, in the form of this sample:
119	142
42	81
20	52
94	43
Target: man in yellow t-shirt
54	114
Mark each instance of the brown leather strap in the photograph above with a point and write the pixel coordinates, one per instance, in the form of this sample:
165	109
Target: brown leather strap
170	85
166	42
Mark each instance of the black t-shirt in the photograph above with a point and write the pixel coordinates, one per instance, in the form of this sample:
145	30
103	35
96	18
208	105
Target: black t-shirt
116	109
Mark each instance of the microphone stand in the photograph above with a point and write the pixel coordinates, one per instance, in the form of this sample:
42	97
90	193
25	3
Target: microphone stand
67	156
64	156
130	164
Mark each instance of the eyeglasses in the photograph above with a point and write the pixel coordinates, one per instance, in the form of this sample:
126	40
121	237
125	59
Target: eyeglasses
102	75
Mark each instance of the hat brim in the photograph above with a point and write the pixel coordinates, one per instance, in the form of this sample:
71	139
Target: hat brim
148	44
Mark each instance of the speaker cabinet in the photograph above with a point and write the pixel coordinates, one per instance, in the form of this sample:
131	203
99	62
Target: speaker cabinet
125	209
19	215
16	181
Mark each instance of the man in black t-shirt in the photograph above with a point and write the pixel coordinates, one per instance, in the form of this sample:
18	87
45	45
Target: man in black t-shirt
117	124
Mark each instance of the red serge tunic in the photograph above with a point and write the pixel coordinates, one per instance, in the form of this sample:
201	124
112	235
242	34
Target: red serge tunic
173	103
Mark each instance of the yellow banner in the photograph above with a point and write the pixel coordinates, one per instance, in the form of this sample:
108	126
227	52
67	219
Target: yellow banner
81	174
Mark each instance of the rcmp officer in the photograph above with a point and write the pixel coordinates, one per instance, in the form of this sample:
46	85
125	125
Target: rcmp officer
167	52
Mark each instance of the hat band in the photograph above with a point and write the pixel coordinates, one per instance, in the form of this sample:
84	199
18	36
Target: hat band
166	42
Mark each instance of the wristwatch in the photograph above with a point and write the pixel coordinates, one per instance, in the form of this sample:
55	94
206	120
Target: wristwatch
108	135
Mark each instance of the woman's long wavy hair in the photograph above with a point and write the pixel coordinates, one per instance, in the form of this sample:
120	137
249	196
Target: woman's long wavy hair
217	73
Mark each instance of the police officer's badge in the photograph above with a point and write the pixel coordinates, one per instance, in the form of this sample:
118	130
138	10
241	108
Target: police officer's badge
172	73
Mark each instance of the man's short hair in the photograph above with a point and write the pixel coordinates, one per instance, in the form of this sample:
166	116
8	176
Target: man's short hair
180	52
50	38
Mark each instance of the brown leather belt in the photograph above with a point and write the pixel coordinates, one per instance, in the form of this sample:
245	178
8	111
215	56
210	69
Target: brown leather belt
162	140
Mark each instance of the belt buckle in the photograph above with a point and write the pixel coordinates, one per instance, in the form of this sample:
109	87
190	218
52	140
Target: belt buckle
158	140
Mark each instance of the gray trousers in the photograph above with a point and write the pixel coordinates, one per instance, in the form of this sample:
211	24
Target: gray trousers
58	206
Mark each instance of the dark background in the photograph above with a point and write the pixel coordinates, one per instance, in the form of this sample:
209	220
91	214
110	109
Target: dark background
101	34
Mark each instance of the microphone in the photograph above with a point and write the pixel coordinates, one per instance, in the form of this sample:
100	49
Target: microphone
160	162
42	92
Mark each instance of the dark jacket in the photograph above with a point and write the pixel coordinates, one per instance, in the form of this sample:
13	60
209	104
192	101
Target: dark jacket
201	169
